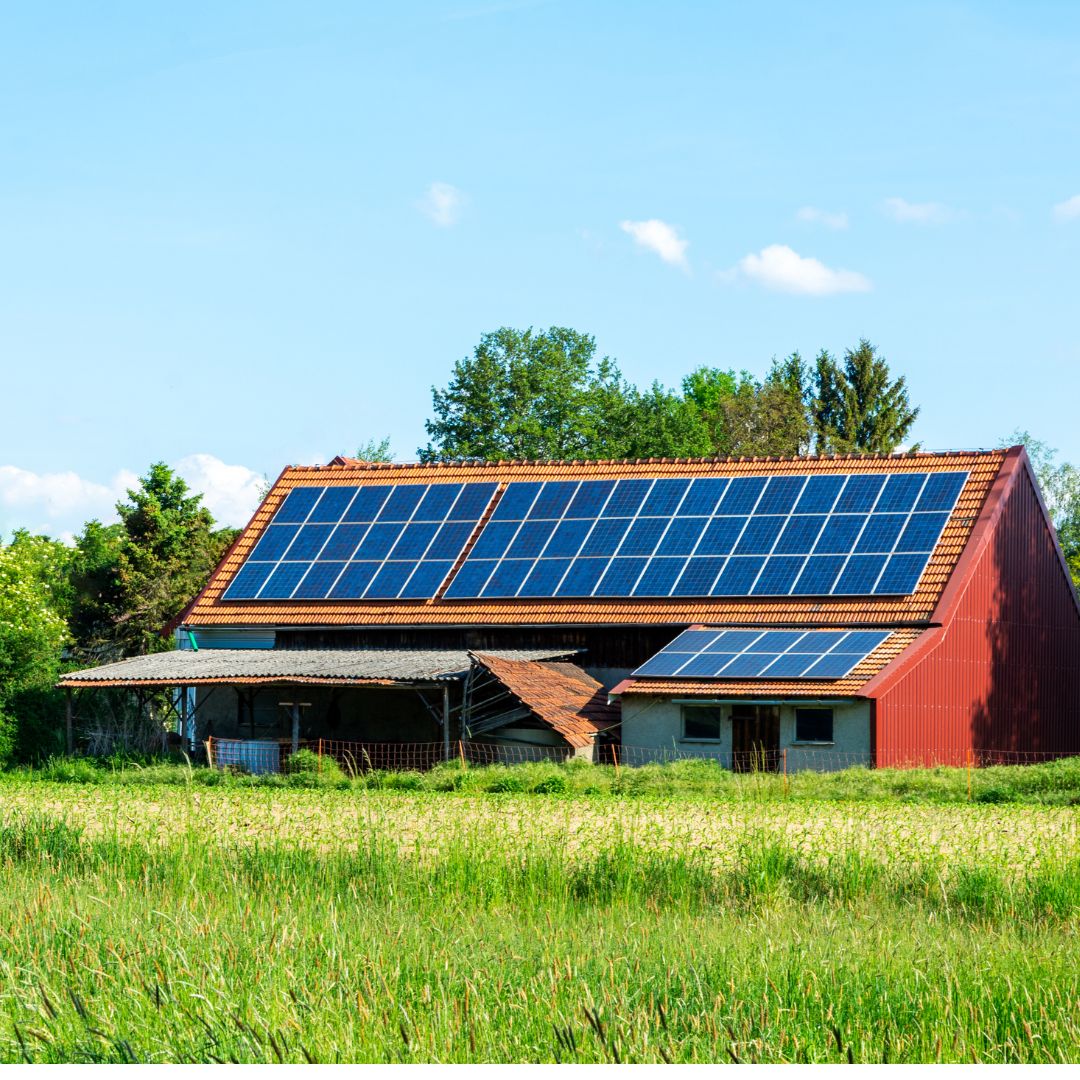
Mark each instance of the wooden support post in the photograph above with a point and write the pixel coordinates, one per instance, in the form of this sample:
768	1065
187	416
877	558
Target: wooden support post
70	722
446	721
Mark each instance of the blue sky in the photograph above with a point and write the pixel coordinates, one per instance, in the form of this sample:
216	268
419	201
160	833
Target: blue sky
239	235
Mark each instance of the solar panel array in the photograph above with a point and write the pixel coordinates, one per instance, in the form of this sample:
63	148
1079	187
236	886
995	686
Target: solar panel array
772	654
372	542
823	534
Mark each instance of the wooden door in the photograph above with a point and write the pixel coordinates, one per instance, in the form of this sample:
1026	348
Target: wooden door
755	738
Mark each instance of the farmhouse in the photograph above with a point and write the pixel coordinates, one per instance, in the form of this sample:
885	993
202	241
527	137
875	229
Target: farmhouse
886	609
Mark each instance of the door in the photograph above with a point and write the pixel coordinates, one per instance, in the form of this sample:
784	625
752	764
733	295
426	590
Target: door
755	738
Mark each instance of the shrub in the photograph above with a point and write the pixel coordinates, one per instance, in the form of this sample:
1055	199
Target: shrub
551	785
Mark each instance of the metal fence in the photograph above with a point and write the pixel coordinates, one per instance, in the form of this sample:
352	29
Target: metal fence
263	756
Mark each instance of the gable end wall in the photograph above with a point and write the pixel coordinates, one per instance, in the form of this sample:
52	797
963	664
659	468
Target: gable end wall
1003	673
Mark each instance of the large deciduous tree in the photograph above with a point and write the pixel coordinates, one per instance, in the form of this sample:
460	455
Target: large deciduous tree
529	394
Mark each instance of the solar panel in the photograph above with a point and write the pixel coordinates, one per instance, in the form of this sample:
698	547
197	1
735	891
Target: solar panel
767	654
372	542
859	534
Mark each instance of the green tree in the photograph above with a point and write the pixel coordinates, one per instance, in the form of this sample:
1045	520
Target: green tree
1059	482
375	450
857	406
132	578
34	596
747	418
530	394
659	423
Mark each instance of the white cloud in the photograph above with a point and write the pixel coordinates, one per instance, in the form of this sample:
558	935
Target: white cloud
830	219
38	500
778	267
927	213
659	237
442	203
230	492
59	504
1069	210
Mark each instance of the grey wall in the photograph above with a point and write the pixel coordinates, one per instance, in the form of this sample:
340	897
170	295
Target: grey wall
655	723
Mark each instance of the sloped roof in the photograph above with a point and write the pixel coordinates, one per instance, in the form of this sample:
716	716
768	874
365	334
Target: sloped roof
342	667
562	695
849	686
209	609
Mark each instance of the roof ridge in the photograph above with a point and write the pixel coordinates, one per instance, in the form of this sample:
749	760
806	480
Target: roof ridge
343	462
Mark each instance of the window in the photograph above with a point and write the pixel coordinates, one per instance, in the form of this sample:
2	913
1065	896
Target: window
814	725
700	722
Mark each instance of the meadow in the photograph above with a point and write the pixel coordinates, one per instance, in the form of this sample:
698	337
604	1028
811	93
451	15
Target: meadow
539	913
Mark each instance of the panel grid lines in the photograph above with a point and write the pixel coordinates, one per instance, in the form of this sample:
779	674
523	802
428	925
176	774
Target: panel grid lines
765	654
364	542
851	534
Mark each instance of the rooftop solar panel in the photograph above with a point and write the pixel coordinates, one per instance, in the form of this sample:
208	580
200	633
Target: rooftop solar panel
766	654
858	534
372	542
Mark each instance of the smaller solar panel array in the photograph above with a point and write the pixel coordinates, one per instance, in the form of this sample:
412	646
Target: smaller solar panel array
770	654
375	542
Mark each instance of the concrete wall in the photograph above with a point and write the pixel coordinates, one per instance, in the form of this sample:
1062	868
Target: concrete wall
656	724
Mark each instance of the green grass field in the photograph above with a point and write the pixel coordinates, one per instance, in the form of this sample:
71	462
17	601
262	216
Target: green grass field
543	913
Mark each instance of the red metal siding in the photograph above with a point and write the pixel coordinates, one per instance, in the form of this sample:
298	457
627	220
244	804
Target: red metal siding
1003	672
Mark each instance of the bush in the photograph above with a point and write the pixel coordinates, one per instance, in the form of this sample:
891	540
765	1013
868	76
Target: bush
306	765
504	782
551	785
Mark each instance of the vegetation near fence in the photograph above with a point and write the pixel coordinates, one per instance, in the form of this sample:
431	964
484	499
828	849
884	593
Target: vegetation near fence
168	913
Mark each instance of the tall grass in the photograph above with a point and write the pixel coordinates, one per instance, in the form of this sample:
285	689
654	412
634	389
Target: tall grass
1055	783
530	930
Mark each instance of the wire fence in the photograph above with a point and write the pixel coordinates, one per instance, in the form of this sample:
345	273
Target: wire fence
264	756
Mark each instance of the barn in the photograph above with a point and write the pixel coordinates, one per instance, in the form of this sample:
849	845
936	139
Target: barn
820	611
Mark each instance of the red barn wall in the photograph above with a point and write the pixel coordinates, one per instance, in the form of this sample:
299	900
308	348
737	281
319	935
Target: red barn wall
1003	671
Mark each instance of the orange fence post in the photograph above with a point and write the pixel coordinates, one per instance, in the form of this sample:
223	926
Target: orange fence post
785	771
615	757
210	751
461	753
320	755
970	755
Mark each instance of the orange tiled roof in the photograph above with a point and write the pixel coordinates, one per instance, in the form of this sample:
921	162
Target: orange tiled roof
848	686
562	695
208	609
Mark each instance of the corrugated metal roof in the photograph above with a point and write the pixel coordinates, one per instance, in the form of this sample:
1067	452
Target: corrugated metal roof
245	666
208	609
849	686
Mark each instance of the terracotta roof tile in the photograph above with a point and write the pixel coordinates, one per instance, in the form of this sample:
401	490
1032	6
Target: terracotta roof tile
208	609
571	701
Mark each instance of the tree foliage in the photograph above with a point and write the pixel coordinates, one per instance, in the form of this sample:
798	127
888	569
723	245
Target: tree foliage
375	450
544	394
1060	485
34	597
857	406
132	578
